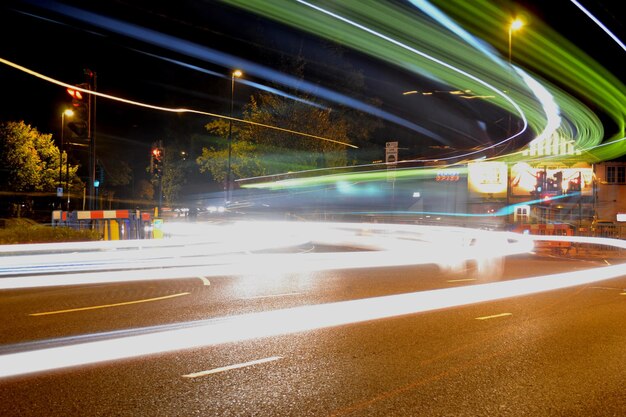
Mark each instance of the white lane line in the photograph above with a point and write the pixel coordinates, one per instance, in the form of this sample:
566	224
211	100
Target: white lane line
47	313
230	367
462	280
205	281
607	262
271	295
494	316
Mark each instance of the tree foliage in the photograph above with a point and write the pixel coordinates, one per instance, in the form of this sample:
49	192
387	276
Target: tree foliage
29	160
258	150
116	174
174	175
175	169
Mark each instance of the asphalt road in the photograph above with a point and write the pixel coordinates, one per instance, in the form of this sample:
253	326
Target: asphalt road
555	353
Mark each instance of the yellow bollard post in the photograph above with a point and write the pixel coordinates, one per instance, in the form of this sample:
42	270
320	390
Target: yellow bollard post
157	228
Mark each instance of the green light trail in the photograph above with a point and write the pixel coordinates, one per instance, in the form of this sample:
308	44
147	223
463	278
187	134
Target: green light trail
468	67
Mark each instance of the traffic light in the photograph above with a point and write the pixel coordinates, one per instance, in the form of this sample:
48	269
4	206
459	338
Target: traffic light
99	178
156	162
575	184
80	104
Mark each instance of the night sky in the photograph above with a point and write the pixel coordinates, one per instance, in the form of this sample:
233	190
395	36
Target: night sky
61	48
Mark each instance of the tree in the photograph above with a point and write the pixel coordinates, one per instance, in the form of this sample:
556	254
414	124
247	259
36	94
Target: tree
174	175
258	150
145	190
245	156
116	173
29	160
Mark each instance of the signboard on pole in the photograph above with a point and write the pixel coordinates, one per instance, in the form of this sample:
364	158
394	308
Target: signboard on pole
391	152
391	157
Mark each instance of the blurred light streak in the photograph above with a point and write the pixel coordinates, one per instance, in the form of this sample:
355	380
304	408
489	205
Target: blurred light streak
429	57
379	245
548	104
190	248
226	60
452	26
545	50
253	84
375	175
167	109
418	45
585	127
599	23
239	328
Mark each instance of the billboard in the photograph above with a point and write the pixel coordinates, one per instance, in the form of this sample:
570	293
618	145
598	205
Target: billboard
488	177
542	181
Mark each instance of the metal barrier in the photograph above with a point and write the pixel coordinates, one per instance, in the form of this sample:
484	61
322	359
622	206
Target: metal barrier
554	229
113	224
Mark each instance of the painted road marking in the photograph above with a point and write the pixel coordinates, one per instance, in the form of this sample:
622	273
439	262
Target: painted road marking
462	280
230	367
494	316
607	288
271	295
47	313
205	281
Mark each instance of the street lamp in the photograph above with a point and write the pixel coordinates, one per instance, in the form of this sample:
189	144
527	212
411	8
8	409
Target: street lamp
514	26
68	113
236	73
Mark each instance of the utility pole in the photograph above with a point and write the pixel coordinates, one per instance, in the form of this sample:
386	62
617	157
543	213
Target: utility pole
91	136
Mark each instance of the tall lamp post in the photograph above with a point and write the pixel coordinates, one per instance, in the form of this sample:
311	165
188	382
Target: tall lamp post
68	113
514	26
229	174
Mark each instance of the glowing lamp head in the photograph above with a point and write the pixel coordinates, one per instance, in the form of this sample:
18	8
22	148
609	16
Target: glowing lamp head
516	24
237	73
68	112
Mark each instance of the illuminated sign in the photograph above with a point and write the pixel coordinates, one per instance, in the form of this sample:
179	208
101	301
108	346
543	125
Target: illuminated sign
540	181
451	176
487	178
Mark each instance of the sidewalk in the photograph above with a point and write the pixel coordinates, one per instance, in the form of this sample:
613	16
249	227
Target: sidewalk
578	250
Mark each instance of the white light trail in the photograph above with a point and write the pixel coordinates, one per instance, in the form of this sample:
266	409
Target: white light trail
230	253
165	109
396	245
550	108
288	321
599	23
402	45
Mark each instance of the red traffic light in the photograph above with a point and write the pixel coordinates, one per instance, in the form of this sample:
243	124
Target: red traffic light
76	95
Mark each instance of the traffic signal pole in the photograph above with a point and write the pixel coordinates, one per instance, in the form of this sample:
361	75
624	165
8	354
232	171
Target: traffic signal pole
91	129
156	170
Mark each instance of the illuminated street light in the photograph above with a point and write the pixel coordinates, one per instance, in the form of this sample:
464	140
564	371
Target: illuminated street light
68	113
514	26
229	178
